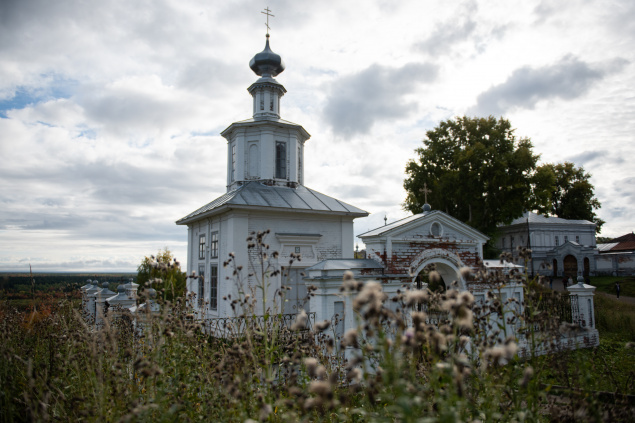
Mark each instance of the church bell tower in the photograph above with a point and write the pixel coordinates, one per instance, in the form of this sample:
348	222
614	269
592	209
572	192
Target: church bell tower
265	148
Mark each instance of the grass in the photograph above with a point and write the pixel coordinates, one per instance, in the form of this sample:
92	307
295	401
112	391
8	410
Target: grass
614	318
607	284
389	367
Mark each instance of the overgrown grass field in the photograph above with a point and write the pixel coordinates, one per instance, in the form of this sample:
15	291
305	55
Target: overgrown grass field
56	366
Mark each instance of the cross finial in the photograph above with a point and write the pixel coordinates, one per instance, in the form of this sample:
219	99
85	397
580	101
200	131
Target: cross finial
268	13
425	192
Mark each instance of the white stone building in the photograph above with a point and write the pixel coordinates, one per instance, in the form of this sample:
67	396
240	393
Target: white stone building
265	191
617	257
560	247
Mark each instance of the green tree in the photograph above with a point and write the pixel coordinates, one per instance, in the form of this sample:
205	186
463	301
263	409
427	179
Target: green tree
163	273
477	170
565	190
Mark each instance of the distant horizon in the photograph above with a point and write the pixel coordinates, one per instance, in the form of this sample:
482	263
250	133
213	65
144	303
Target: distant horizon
65	272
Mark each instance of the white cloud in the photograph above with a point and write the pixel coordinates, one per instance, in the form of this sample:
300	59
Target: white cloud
110	112
356	102
567	80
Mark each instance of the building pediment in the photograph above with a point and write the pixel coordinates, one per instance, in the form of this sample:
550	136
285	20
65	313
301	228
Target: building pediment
432	225
571	247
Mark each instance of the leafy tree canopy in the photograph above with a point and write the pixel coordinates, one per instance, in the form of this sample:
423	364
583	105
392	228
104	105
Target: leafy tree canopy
477	170
163	273
565	190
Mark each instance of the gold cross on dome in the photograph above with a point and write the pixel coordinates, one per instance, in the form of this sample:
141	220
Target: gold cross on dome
268	13
425	192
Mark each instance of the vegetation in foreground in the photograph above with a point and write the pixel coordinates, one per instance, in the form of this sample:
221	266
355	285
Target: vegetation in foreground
53	367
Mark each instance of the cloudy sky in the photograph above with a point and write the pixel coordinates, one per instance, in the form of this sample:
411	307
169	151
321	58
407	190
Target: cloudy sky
110	111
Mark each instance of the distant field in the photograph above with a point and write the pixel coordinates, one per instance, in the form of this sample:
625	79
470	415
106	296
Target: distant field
21	282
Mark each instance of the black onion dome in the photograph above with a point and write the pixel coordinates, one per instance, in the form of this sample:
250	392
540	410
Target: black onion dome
267	62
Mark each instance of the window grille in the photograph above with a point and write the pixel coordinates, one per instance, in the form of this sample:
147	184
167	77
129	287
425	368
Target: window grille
233	170
281	160
213	244
201	247
201	285
213	287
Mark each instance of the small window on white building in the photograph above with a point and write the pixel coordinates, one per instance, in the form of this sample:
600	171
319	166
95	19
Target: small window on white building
213	287
201	247
577	239
566	239
213	245
511	242
435	229
233	170
281	160
201	285
299	165
503	242
557	240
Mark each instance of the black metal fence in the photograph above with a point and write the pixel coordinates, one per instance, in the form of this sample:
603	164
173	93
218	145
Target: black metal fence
232	327
553	304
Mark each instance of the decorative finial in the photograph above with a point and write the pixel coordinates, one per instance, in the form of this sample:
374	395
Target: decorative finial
267	63
425	191
385	220
268	13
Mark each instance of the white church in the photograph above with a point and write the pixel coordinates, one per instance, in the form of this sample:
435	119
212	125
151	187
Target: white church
266	191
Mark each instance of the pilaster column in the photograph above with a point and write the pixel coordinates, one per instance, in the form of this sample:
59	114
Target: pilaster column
584	315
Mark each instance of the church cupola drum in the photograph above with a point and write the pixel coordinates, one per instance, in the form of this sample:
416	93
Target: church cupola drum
265	148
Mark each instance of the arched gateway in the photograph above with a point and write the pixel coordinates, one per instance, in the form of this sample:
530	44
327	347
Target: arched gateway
446	263
407	246
397	253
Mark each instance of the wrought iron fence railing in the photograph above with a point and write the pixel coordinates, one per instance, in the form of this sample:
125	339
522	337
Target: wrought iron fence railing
231	327
556	305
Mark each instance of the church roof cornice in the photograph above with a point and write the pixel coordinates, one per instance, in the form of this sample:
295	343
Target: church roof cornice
263	122
266	82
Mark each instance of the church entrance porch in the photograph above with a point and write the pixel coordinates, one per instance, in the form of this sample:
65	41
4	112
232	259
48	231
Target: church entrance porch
570	266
